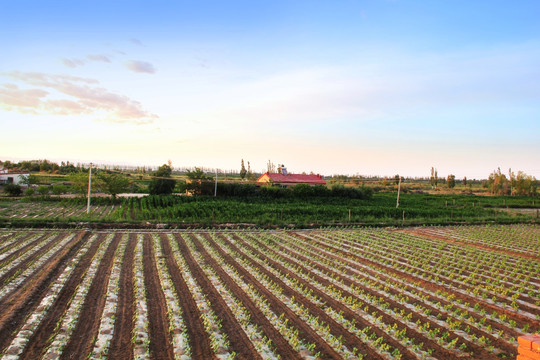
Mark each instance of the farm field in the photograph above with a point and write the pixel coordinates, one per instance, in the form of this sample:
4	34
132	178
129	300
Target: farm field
460	292
204	211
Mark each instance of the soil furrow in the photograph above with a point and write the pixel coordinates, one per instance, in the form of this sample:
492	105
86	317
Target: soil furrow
430	285
239	342
13	242
160	342
40	339
19	304
351	339
120	347
305	331
198	338
283	348
30	259
424	233
416	316
82	339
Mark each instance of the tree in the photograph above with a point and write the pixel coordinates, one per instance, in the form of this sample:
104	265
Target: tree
451	181
79	182
396	179
43	190
161	183
243	171
271	167
465	181
113	184
433	179
29	180
13	190
250	175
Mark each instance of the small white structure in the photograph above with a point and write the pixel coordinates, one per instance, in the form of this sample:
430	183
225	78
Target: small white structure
16	178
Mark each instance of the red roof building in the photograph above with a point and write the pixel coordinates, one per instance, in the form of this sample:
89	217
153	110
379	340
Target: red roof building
290	179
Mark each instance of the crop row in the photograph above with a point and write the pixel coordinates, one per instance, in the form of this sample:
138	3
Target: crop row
351	294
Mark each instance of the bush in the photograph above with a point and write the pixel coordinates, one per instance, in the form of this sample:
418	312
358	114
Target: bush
43	190
29	192
59	189
13	190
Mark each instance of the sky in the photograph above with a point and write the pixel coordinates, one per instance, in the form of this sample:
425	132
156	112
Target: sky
378	87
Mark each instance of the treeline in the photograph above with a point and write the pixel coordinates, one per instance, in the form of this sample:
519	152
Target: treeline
43	166
520	184
274	192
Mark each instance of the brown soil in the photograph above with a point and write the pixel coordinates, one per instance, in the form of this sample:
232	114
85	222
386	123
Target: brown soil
420	232
239	342
282	347
120	347
40	339
197	336
433	287
439	351
31	259
425	305
351	340
22	238
19	304
81	341
160	342
306	331
450	283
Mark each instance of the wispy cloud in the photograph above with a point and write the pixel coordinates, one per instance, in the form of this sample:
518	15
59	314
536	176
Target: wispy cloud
136	41
83	97
99	57
72	63
140	67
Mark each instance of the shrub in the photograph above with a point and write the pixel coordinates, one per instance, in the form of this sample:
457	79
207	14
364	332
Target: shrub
29	192
13	190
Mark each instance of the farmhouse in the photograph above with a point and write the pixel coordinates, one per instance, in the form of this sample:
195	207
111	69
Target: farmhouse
286	179
16	178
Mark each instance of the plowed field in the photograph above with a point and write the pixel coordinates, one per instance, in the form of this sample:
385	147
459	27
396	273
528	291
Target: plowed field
464	292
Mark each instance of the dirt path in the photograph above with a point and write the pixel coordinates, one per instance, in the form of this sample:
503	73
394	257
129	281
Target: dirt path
120	347
198	338
282	347
239	342
160	342
81	341
18	305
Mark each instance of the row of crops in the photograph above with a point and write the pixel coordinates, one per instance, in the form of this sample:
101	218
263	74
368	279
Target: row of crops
420	293
414	209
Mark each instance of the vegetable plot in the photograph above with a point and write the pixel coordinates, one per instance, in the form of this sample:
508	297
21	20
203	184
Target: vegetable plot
417	293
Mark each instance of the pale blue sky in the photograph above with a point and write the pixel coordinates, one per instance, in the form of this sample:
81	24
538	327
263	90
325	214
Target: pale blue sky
367	87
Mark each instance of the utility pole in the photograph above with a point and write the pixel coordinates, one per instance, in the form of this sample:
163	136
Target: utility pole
398	190
89	188
215	190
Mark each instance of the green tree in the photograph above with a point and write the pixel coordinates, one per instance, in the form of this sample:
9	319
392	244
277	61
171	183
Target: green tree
243	171
433	178
161	183
29	180
451	181
465	181
113	184
79	183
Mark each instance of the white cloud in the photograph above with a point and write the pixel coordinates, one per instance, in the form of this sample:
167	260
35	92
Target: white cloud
83	97
140	67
